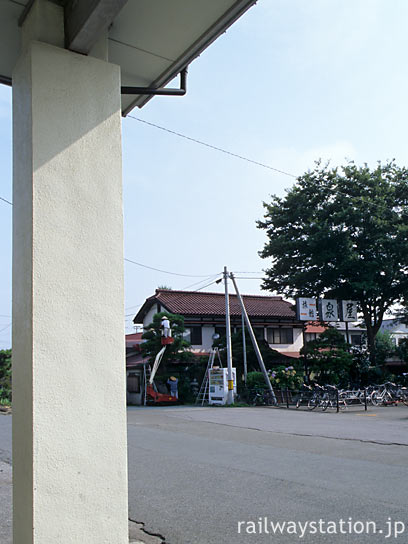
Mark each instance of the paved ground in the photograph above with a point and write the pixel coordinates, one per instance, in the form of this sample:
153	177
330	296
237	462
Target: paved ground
194	473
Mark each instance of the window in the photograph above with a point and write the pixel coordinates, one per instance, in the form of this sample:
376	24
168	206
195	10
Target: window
133	383
310	336
194	335
280	336
355	339
259	333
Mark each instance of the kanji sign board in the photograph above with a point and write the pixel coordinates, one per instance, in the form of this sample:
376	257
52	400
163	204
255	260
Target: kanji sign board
328	310
306	309
348	310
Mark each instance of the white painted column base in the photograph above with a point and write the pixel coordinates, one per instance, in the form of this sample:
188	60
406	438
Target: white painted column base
69	411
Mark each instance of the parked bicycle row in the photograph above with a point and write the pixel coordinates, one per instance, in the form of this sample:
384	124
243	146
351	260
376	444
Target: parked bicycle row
330	397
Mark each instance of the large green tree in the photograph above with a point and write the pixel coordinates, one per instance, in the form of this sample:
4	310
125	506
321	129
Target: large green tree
384	347
328	358
342	232
402	349
175	352
5	375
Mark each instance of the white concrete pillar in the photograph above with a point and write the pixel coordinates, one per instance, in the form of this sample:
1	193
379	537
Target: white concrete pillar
69	401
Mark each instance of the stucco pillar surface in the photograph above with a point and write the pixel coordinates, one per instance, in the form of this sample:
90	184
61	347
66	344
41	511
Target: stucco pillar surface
69	407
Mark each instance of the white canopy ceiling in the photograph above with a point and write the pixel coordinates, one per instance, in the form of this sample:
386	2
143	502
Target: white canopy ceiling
152	40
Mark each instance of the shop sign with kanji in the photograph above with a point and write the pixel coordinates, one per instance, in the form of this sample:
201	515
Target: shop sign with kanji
328	310
306	309
349	310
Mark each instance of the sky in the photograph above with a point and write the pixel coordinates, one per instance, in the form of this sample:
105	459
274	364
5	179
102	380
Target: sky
289	83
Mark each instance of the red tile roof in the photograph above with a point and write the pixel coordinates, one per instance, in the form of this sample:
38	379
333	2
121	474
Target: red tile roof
133	339
293	354
134	336
213	304
312	327
136	360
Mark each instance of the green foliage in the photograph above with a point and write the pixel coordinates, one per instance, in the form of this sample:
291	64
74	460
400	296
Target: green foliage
270	357
256	380
5	376
402	349
342	232
361	373
287	377
175	352
184	383
402	312
328	358
384	347
184	389
196	368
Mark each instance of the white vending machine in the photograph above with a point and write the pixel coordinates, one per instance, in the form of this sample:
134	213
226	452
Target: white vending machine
218	385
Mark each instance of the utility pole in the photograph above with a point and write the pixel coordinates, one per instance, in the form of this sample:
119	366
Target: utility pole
347	336
306	369
230	397
244	349
254	342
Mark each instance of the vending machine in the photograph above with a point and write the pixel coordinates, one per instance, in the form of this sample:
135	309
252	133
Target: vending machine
218	385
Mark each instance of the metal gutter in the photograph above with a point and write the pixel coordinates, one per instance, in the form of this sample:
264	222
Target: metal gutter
218	28
4	80
163	91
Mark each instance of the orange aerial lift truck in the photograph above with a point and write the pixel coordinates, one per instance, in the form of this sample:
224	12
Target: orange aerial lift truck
152	396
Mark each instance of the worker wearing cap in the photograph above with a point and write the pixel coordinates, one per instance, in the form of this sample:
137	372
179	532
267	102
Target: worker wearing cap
172	382
165	325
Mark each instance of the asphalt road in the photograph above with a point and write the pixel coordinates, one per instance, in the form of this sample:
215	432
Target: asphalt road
195	473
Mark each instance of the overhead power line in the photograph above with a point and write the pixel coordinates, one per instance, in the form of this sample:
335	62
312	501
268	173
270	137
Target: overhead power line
203	287
220	149
248	278
184	294
246	272
5	200
167	272
183	289
151	267
202	281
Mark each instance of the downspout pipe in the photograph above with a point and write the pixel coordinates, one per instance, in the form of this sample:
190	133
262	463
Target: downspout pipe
163	91
4	80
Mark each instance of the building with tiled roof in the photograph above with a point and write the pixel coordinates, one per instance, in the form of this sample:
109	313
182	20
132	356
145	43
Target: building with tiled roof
272	318
133	340
353	333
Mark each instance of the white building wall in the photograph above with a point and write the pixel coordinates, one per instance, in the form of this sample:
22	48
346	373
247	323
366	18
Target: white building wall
149	316
397	336
207	332
397	330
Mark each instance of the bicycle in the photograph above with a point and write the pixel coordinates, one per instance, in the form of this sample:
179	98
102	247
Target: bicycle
383	394
330	398
317	397
305	394
263	398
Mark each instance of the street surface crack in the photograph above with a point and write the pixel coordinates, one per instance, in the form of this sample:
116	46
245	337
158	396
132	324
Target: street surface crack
364	441
141	527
